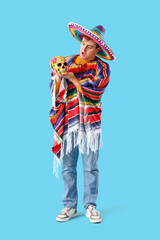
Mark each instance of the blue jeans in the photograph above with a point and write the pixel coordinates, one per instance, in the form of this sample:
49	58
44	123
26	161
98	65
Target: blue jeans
69	175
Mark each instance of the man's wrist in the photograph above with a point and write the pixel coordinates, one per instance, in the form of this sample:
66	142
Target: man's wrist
58	79
75	81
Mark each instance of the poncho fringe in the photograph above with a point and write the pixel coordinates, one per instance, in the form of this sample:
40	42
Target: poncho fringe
85	141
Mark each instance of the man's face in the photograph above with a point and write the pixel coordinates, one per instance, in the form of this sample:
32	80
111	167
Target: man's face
88	49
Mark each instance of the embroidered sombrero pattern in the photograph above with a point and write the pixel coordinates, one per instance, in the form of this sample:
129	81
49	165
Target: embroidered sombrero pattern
96	34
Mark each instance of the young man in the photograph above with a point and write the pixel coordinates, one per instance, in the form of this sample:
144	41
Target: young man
76	118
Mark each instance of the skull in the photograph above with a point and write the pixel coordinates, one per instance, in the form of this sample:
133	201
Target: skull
59	63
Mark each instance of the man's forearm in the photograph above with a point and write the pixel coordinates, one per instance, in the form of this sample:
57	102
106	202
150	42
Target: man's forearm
75	81
57	83
58	78
71	77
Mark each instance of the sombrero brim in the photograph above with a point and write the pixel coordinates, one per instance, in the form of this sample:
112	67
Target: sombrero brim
78	31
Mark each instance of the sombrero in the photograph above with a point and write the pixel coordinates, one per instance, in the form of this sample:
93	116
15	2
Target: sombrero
96	34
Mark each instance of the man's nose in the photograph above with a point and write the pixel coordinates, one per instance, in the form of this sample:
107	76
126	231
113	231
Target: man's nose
84	49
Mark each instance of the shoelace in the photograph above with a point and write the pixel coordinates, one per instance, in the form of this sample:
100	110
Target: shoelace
93	210
65	210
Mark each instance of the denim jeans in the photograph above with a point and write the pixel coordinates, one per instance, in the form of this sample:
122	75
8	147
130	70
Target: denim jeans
90	174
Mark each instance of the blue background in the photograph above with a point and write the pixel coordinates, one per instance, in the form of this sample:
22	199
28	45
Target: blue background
32	32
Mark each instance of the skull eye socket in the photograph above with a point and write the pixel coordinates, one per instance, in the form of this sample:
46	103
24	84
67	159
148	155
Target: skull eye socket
59	64
65	64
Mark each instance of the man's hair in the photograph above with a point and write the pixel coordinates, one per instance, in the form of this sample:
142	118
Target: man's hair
88	38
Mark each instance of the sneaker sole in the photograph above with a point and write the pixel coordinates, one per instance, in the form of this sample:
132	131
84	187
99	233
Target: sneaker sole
94	220
66	219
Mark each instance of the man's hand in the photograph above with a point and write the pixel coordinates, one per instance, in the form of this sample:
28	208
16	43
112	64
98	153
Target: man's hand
71	77
58	75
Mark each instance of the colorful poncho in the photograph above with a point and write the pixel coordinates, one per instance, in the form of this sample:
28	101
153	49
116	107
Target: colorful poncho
78	109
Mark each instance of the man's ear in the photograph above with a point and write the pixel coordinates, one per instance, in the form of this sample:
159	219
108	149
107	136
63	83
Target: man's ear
98	49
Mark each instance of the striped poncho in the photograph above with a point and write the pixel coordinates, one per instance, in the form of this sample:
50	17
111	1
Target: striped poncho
77	110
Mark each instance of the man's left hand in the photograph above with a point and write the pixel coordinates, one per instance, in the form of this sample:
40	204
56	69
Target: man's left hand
71	77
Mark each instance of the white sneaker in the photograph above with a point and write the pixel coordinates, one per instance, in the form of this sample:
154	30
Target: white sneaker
66	214
93	214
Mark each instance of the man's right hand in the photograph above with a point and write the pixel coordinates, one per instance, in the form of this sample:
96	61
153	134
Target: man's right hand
58	75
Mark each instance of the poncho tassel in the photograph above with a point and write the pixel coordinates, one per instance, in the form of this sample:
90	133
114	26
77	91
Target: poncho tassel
85	140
